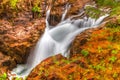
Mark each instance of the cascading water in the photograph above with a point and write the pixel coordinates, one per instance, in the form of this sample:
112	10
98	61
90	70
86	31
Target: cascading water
56	40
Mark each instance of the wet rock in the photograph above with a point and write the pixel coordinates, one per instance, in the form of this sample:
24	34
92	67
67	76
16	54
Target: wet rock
59	8
6	63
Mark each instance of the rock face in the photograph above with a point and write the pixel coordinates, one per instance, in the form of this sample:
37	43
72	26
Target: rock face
20	28
5	63
18	38
19	31
59	8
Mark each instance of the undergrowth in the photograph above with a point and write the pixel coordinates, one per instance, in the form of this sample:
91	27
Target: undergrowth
113	4
107	3
3	76
93	12
13	7
13	3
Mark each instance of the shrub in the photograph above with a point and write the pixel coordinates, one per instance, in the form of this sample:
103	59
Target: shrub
13	3
84	52
3	76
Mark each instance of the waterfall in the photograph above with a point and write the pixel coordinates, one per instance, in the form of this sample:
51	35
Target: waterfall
56	40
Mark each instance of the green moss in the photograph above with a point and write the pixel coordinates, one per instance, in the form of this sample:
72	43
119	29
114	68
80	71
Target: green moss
3	76
112	59
97	67
36	9
115	75
93	12
66	61
114	52
115	26
115	11
13	3
110	38
113	4
107	3
84	52
17	78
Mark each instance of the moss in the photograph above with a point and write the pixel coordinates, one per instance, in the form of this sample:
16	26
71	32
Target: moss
93	12
11	8
114	25
107	3
112	59
84	52
113	4
3	76
36	9
115	75
115	11
13	3
114	52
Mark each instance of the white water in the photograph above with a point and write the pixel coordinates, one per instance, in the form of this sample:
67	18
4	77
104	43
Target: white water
56	40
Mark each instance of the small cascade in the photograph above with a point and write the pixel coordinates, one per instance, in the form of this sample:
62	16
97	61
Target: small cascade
57	40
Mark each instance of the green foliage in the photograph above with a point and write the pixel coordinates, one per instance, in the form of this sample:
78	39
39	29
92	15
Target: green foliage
113	4
115	75
115	26
100	66
36	9
46	73
115	11
13	3
111	25
112	59
114	51
92	12
107	3
56	61
17	78
66	61
84	52
110	38
3	76
97	67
